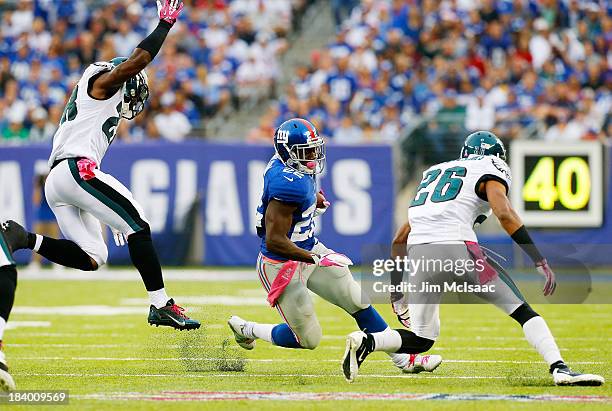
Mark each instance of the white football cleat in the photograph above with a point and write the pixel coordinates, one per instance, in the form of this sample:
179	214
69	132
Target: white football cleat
418	363
6	381
237	324
565	376
358	346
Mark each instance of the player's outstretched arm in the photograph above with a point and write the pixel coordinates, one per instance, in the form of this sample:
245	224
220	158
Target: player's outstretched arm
512	224
399	301
398	246
108	83
279	217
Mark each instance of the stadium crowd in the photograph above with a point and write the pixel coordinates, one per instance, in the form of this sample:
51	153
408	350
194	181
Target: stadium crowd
514	66
519	67
221	53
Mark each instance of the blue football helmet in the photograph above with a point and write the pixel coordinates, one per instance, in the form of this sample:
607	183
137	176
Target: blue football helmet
299	146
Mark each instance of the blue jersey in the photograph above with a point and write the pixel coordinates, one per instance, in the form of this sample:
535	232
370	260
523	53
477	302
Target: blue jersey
289	186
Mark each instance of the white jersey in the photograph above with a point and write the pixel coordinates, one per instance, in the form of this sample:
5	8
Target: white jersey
447	203
88	126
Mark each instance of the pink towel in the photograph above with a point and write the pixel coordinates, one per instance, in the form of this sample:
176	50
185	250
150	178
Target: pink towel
86	168
282	280
488	273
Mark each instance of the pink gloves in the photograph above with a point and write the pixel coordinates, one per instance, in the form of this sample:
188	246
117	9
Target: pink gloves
169	10
332	260
551	283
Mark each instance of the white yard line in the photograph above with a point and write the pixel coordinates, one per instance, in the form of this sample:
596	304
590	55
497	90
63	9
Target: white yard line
338	348
204	275
81	310
221	327
226	300
12	325
250	375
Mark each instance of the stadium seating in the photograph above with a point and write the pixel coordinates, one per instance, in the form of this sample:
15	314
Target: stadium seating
436	70
425	69
211	62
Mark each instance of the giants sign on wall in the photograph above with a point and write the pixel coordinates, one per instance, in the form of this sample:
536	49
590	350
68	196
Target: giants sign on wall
167	178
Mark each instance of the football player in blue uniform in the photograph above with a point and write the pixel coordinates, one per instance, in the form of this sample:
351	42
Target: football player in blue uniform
292	261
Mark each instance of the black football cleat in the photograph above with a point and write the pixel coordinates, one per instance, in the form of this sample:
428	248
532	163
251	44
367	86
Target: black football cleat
172	315
563	375
15	235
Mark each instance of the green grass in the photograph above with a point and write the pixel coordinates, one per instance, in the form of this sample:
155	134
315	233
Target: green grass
121	354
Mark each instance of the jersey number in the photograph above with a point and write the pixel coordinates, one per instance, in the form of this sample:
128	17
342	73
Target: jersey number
70	112
109	128
303	230
447	189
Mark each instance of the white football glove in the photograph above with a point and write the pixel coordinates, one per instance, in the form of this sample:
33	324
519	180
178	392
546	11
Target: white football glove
321	210
400	308
119	237
332	260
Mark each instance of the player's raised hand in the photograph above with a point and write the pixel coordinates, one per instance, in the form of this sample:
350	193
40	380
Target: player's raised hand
551	282
332	260
169	10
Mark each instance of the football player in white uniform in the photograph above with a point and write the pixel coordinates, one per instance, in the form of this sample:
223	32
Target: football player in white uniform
82	196
451	198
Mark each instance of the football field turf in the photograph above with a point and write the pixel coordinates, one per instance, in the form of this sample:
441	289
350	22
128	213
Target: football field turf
91	338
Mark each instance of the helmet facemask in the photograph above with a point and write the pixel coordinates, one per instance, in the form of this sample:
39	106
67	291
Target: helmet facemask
307	158
135	94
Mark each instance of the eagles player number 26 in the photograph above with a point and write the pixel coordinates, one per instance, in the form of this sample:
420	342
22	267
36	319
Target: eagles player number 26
447	189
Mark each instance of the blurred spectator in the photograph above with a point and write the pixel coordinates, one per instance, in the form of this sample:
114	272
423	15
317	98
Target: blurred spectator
171	124
348	133
253	77
566	129
14	132
342	9
480	115
42	129
265	132
126	39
